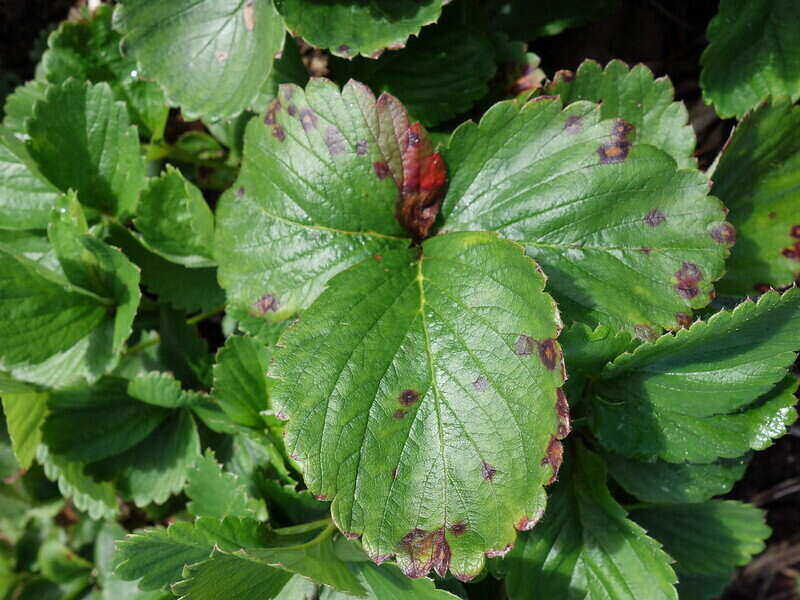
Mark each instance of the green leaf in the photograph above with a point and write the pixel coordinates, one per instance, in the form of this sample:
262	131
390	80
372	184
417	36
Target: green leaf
649	401
156	557
161	389
92	423
216	493
230	577
25	196
708	540
625	238
240	380
585	547
60	564
90	50
19	105
524	20
41	313
98	499
226	50
350	28
671	483
387	581
103	163
175	220
437	76
321	171
409	380
761	34
757	177
25	412
636	97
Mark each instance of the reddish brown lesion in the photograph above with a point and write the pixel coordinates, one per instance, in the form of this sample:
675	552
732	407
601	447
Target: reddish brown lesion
426	550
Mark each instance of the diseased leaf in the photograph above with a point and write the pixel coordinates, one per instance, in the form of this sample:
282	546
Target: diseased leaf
636	97
216	493
761	34
103	163
680	398
25	412
758	177
437	76
708	540
98	499
672	483
585	547
226	50
175	220
320	179
240	380
625	238
26	197
407	385
89	50
351	28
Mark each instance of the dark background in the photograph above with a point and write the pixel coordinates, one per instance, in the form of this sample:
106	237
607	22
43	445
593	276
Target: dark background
667	36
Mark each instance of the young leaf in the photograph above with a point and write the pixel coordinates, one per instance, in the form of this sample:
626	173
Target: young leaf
25	412
98	499
19	105
175	220
40	313
322	169
708	540
585	547
103	163
161	389
26	197
351	28
672	483
240	380
216	493
761	34
757	177
649	400
626	239
437	76
636	97
409	381
89	50
230	577
226	50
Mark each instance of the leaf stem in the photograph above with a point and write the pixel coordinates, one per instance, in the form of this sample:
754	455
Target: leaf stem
142	345
205	315
323	535
303	527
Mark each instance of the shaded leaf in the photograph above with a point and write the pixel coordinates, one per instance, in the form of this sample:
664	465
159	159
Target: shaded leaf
25	412
409	381
525	20
19	105
240	380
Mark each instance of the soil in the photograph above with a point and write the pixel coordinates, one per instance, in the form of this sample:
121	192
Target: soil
667	36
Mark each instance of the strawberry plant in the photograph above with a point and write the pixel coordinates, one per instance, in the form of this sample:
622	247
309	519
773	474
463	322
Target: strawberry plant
444	323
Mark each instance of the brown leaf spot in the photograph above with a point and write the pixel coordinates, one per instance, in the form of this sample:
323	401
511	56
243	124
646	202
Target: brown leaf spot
573	124
795	232
487	471
643	332
267	303
288	92
480	384
688	276
564	75
562	410
249	14
408	397
613	152
554	458
343	49
548	353
308	119
381	169
350	535
278	133
361	147
272	111
528	523
379	559
240	192
524	345
495	553
320	497
621	130
683	320
465	577
292	110
394	473
792	252
281	416
762	288
654	218
377	257
724	233
334	141
772	214
645	250
458	528
399	414
426	550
